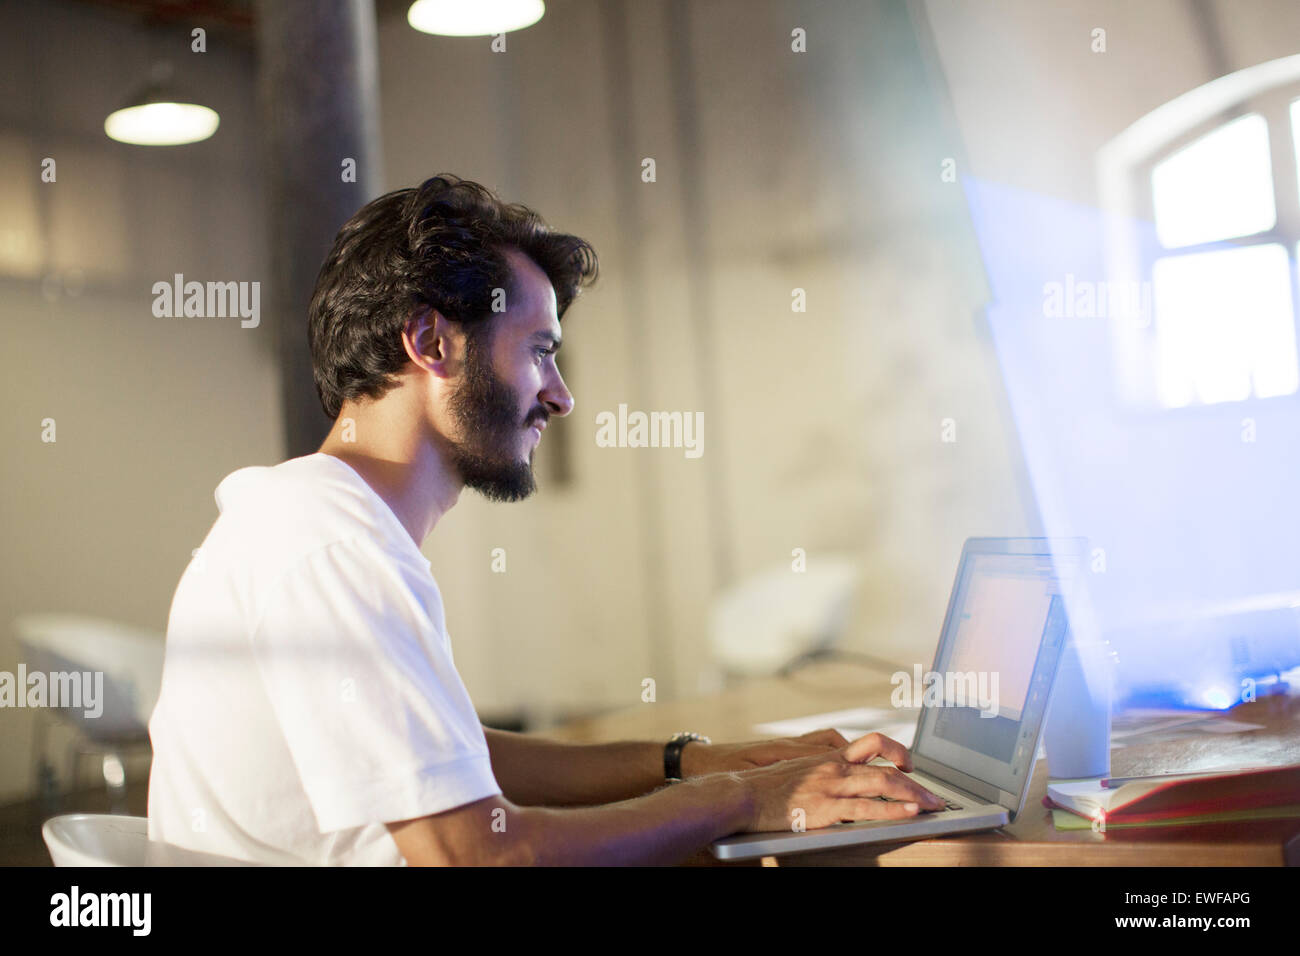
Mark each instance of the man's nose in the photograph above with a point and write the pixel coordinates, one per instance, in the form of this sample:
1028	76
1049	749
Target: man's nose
558	397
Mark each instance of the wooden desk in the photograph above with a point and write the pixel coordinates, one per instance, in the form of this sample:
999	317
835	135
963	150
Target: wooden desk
1031	840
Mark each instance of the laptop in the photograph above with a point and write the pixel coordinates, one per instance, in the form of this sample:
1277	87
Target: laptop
982	704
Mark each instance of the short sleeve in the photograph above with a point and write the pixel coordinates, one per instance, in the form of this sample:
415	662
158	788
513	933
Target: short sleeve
375	716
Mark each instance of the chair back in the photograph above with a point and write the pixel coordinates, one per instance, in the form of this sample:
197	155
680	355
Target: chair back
103	839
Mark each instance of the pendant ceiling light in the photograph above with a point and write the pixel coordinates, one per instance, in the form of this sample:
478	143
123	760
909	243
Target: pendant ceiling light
471	18
159	115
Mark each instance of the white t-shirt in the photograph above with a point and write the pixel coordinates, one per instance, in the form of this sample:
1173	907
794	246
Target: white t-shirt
308	692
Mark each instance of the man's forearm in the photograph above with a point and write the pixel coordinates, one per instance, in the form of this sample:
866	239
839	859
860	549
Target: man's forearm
664	827
536	772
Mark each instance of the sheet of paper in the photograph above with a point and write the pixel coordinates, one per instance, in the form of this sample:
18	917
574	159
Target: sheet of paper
1122	731
1227	727
902	732
1194	723
852	724
1152	713
869	717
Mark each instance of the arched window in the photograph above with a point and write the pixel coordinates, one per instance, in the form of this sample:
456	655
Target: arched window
1202	203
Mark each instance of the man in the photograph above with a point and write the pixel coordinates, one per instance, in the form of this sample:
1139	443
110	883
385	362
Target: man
310	709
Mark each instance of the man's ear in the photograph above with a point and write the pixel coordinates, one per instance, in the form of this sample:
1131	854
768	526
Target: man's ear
432	343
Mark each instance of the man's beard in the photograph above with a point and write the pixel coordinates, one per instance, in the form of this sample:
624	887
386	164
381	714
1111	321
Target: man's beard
486	410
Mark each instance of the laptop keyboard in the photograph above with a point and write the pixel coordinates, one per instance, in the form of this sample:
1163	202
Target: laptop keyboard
948	805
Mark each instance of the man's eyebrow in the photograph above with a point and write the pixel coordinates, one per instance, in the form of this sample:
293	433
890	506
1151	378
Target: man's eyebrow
553	340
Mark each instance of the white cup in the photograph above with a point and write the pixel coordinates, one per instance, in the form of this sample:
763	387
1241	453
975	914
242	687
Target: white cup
1077	735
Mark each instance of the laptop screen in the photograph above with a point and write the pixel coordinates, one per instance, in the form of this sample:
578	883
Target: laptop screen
984	700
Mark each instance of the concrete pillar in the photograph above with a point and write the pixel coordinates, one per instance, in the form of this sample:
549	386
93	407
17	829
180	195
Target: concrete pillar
318	86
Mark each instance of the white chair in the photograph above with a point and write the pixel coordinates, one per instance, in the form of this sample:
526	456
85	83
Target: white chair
131	662
102	839
779	617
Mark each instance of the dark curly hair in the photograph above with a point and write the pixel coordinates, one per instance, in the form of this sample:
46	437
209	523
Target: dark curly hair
440	245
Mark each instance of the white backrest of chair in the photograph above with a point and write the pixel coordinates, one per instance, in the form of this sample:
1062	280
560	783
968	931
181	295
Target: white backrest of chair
97	839
130	659
769	619
101	839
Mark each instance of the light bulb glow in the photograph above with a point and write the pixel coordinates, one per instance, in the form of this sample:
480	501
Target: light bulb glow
471	18
162	124
1217	698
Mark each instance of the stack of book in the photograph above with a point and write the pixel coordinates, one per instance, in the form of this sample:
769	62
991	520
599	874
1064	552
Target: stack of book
1261	793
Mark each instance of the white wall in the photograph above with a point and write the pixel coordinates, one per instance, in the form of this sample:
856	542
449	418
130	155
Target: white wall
820	171
1033	100
1193	519
150	413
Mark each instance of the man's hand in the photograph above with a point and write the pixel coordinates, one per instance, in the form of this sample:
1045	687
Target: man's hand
823	787
700	758
827	788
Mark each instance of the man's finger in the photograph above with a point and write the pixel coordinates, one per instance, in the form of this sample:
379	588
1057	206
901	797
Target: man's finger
860	781
878	745
867	809
831	738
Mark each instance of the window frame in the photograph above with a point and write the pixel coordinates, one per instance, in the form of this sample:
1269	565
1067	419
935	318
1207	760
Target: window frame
1125	165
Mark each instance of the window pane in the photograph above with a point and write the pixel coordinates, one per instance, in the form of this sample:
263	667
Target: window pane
1224	328
1295	133
1218	187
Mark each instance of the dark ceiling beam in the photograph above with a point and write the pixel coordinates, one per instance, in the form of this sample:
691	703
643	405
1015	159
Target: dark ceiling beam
234	15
